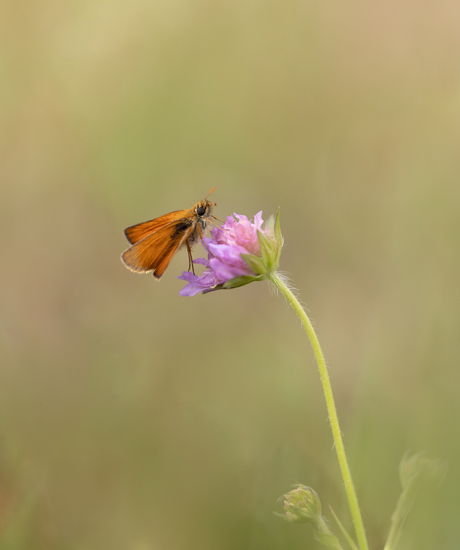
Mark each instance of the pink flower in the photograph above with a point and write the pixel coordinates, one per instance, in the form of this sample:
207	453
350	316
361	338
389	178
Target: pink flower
239	252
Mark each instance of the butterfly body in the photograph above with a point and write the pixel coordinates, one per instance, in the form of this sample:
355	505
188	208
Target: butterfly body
154	243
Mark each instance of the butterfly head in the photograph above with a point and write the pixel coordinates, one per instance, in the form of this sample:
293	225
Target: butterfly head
203	209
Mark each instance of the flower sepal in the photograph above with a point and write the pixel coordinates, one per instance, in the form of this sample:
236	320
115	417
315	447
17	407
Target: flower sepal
243	280
255	263
270	249
235	283
278	235
269	252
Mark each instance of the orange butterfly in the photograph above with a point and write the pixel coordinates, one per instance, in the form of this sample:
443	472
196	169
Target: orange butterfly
155	242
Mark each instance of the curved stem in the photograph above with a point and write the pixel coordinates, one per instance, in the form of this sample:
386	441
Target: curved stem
346	475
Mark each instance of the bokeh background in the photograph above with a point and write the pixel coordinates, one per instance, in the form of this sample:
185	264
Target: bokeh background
132	418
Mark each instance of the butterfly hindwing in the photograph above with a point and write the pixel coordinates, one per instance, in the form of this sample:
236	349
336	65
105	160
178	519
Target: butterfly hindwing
155	251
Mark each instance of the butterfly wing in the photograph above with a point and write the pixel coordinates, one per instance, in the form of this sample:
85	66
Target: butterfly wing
136	233
155	251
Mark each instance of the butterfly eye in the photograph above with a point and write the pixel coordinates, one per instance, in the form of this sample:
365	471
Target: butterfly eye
200	211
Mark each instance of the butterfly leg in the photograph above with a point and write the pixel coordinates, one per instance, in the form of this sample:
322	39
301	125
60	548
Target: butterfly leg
190	258
204	244
213	223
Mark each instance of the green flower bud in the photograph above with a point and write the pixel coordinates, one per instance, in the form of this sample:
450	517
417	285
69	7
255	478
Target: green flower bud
301	505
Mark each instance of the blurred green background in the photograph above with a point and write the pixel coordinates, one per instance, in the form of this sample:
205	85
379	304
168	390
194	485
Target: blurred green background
132	418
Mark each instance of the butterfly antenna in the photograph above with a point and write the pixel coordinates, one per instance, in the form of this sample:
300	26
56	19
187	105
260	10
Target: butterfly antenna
209	193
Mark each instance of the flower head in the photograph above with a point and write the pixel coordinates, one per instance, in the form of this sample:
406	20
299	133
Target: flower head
239	252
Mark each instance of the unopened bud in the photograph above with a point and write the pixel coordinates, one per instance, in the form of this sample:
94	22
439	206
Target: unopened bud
301	505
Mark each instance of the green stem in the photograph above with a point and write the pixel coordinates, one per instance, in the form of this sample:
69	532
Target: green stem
346	475
398	519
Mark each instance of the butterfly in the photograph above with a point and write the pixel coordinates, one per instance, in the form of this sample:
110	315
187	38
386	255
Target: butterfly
154	243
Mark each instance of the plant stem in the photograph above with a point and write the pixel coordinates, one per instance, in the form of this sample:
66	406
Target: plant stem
398	519
333	419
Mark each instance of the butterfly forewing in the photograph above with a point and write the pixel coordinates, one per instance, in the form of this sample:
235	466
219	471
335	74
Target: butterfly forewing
136	233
